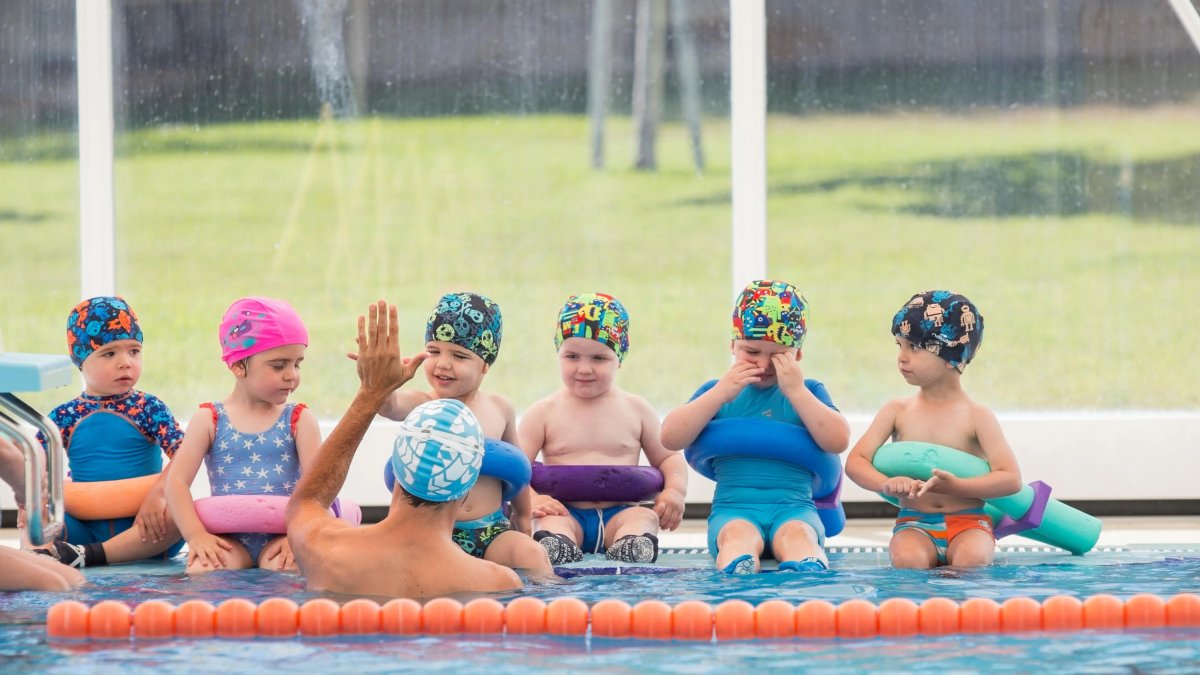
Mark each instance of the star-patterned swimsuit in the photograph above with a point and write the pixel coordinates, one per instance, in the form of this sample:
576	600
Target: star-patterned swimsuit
264	463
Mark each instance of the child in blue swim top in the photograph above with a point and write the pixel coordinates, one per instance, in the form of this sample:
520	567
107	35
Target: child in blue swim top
113	431
253	442
941	521
764	507
591	421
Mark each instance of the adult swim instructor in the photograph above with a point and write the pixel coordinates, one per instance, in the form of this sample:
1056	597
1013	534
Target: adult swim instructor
437	457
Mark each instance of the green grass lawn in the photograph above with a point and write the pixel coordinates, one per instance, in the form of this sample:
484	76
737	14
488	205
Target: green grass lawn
1074	232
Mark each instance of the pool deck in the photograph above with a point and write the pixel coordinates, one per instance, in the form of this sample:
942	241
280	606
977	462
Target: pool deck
1180	532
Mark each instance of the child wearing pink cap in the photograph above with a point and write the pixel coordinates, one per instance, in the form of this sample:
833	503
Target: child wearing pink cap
254	442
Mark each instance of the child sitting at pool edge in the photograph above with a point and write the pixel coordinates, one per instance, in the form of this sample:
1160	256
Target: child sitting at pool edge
592	421
462	339
764	507
112	431
941	520
253	442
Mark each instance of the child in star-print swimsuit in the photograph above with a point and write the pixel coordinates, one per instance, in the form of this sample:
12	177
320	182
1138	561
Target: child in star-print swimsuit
253	442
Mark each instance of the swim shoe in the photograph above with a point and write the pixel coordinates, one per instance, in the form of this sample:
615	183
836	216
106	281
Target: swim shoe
743	564
71	555
634	548
809	564
559	547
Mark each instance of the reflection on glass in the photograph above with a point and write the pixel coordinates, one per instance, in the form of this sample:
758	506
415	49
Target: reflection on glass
333	153
1037	157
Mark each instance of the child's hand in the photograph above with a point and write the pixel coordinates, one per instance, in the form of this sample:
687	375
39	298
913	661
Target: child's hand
151	519
281	549
210	550
669	507
740	374
903	486
545	505
788	372
941	481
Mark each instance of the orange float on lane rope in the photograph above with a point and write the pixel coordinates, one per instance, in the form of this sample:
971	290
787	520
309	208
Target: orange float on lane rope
1183	611
1020	614
1145	611
1103	611
525	616
979	615
319	617
612	619
898	617
401	616
442	616
236	618
816	619
567	616
651	620
734	620
360	617
1062	612
776	619
277	618
67	620
938	616
857	619
195	618
483	615
109	620
154	620
692	620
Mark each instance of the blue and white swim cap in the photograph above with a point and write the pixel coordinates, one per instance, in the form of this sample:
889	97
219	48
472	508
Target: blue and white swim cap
439	451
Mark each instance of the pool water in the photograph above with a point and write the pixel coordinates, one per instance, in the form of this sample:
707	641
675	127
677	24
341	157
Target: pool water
861	574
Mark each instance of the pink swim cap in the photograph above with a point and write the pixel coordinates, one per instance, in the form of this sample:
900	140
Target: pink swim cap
254	325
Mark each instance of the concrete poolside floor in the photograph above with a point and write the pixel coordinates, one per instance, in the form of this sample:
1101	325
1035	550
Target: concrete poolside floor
1175	531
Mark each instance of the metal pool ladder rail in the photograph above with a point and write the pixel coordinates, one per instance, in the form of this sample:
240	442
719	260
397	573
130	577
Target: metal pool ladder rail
35	372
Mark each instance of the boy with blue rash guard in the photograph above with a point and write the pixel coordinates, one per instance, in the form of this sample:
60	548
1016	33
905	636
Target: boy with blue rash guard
591	421
764	507
112	431
941	520
462	338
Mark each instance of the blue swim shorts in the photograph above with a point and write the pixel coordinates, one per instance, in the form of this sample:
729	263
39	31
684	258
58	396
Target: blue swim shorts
592	522
768	518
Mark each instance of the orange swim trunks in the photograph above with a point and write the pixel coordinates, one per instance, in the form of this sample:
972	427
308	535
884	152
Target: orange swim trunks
942	528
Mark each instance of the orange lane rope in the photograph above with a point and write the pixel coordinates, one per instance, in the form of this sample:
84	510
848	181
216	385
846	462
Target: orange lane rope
649	619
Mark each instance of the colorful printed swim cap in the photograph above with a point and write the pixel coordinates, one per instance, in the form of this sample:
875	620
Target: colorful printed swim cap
942	322
773	311
595	316
468	320
255	324
98	321
439	450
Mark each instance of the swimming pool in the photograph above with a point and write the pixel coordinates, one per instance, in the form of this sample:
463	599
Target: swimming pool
858	573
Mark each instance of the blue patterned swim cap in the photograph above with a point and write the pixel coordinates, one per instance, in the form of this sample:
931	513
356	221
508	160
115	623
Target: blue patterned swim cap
439	451
595	316
773	311
468	320
942	322
98	321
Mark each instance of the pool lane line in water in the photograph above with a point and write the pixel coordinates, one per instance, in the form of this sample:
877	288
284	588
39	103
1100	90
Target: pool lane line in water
649	619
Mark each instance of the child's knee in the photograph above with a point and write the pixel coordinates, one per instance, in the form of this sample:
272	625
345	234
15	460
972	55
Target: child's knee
738	532
530	555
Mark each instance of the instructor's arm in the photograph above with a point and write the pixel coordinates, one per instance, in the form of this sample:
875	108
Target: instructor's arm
381	370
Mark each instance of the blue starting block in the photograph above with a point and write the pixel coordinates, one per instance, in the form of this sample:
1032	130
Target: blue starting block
34	372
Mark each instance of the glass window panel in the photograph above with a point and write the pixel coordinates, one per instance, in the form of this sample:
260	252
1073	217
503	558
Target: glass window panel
39	172
1038	157
333	153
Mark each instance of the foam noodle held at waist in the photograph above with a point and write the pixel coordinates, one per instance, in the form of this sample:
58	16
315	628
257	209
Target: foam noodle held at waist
104	499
